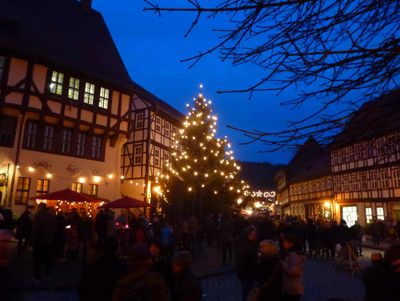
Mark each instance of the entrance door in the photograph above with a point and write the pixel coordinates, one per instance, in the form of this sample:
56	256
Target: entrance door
349	214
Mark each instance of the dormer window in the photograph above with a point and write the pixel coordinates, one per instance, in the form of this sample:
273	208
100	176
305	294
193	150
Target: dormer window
89	94
56	82
73	90
104	98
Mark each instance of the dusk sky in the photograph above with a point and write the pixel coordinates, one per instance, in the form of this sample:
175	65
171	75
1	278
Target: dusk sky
152	47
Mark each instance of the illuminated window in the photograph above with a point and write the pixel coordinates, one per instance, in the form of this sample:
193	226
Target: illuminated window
2	63
8	126
48	135
76	186
73	90
139	121
95	148
66	136
89	94
349	214
42	186
22	194
80	144
368	215
93	189
30	134
104	98
56	82
137	155
380	214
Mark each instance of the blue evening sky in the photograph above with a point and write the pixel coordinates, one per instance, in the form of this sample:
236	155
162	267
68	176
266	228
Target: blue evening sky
152	47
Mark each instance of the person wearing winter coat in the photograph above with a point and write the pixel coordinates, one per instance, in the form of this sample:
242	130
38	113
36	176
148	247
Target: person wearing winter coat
293	266
185	286
43	230
246	256
269	272
382	280
225	229
23	231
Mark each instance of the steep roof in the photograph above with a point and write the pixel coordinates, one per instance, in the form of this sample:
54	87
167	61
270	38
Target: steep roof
311	160
66	34
373	119
157	102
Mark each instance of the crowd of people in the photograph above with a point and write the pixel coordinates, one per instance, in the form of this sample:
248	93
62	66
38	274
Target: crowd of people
133	258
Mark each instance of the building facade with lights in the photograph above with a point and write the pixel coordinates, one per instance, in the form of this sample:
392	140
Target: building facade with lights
360	177
305	186
365	160
69	110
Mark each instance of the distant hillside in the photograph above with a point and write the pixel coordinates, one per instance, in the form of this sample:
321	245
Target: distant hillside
259	175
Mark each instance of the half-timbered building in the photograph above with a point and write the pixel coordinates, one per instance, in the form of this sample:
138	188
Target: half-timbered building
365	162
147	152
68	106
305	186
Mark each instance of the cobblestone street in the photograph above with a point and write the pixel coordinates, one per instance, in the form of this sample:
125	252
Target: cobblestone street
322	282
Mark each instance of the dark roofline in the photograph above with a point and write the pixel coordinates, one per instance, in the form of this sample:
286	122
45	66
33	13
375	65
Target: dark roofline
157	102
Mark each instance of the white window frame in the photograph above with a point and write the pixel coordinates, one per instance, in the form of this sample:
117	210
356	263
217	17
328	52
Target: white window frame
88	96
139	120
368	215
104	98
56	82
73	89
380	213
137	154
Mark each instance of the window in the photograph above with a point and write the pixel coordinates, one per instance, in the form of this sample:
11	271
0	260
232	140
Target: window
2	63
349	214
93	189
167	129
139	121
104	98
156	157
56	82
66	136
8	126
22	195
73	90
48	135
380	213
137	155
80	144
76	186
158	124
95	148
42	186
30	134
89	94
368	215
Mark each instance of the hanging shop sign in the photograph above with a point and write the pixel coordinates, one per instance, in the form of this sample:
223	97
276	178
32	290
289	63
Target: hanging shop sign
260	194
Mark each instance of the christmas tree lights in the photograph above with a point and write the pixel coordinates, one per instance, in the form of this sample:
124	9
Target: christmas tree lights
204	164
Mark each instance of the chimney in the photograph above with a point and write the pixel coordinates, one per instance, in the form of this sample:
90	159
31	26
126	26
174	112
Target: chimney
87	4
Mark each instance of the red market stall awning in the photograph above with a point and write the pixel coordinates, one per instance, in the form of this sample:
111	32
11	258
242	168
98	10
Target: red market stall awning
66	195
96	198
126	202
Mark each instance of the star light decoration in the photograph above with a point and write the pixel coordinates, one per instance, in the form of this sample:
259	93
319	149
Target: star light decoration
204	163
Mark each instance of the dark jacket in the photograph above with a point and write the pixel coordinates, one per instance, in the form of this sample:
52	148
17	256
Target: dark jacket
186	287
381	282
269	275
99	279
24	225
246	257
43	228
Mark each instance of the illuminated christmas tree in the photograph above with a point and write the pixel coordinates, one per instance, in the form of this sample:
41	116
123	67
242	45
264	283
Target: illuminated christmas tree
203	164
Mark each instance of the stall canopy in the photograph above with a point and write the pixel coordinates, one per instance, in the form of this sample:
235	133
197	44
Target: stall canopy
126	202
66	195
